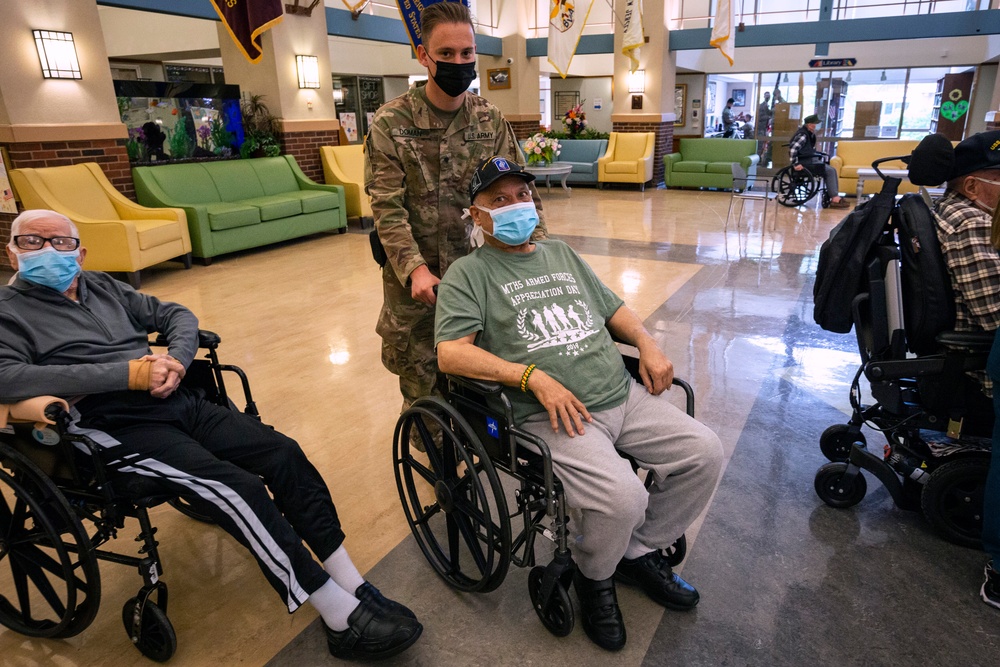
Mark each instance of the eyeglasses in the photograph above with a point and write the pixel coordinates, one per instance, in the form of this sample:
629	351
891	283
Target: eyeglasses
33	242
986	180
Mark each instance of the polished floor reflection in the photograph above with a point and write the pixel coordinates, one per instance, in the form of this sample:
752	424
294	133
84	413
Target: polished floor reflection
784	579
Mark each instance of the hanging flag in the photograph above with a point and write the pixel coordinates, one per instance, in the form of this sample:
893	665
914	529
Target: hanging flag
723	30
566	23
247	20
355	6
410	11
632	27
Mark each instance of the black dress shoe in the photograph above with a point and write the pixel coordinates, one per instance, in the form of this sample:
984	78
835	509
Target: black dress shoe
381	604
654	576
602	619
372	636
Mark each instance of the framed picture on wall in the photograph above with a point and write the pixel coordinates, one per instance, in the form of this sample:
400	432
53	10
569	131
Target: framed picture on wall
739	97
680	104
498	79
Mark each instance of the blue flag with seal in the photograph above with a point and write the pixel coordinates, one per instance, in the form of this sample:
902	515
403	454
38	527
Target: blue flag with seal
410	11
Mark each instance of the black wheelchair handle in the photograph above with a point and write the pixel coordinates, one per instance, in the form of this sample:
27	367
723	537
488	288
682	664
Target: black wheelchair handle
54	412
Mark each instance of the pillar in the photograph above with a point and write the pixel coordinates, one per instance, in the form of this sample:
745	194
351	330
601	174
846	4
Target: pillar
56	122
657	113
519	103
308	117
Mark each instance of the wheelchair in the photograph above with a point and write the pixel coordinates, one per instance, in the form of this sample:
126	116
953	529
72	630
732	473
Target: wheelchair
796	187
936	422
51	482
458	510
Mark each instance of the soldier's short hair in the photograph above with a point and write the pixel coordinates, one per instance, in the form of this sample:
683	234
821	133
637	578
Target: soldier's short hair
443	12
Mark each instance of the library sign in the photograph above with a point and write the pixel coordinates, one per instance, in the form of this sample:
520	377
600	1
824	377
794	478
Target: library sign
833	62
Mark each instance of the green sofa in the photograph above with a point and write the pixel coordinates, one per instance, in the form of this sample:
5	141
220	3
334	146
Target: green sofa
708	163
238	204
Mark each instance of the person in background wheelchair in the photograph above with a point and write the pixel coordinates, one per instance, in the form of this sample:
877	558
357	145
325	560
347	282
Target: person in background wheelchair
533	316
83	336
803	154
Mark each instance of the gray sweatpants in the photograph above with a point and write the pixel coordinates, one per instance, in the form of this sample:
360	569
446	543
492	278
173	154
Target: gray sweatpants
619	514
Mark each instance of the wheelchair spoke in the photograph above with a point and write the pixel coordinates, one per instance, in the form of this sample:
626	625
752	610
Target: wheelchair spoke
471	540
422	470
43	585
21	587
429	512
6	519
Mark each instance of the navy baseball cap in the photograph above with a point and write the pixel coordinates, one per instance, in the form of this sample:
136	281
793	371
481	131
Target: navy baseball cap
491	169
980	151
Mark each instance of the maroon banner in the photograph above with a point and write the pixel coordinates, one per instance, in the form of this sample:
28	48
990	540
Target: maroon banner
247	20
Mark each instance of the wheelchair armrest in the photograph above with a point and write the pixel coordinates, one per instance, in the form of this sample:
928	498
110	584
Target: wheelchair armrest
206	339
480	386
973	340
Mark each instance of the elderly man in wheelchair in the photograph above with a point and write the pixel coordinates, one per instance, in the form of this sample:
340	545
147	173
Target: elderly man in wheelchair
808	172
534	317
83	336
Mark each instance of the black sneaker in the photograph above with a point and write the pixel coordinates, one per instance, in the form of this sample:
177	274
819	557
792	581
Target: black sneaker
601	617
990	592
655	577
372	636
381	604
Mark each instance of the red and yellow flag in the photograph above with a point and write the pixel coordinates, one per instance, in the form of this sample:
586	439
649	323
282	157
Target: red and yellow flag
247	20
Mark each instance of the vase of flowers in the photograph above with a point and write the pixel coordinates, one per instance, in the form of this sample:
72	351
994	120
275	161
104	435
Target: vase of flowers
575	120
540	150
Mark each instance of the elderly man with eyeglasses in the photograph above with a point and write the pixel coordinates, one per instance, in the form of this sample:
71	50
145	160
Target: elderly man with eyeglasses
83	336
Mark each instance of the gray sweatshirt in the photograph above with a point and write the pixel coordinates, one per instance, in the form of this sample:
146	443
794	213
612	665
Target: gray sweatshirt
52	345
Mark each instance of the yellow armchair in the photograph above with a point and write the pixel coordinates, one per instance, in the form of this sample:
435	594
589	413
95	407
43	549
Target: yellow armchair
629	159
345	165
119	234
854	155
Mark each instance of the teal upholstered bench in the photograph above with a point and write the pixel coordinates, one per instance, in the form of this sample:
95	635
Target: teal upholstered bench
238	204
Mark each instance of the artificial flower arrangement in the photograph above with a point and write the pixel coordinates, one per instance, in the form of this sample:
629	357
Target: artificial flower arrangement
575	120
541	150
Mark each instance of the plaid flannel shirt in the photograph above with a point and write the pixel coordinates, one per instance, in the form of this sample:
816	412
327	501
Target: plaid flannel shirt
963	229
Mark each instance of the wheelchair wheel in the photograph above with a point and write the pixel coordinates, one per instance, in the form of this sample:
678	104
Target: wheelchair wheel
454	503
952	500
830	487
187	509
556	614
46	558
156	638
794	188
837	440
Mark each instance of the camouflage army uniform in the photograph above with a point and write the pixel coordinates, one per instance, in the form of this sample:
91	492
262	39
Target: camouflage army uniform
417	172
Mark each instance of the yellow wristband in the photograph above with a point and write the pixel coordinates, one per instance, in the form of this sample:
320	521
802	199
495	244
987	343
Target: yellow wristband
524	378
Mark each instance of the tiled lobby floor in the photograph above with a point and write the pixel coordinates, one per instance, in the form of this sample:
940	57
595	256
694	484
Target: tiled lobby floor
784	579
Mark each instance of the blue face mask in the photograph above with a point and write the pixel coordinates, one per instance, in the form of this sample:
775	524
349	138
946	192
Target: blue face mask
514	224
49	267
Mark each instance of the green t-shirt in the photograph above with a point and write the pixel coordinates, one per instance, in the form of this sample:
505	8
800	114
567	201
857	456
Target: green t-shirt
545	307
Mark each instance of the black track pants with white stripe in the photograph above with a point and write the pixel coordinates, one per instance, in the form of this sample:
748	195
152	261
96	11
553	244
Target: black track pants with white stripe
220	460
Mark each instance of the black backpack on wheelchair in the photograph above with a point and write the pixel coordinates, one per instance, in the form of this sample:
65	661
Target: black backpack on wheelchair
936	421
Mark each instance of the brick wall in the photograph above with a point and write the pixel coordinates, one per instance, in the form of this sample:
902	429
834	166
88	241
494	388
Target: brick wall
664	132
524	129
304	147
109	153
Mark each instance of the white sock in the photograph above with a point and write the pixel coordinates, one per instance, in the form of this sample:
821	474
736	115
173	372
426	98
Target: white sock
334	604
341	569
636	550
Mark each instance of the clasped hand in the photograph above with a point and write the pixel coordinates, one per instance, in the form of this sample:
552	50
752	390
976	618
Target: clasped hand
165	374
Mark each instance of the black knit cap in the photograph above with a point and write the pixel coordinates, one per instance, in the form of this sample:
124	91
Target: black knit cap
812	118
493	168
980	151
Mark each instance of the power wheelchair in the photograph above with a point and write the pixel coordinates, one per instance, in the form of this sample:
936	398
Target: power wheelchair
936	422
796	187
51	481
458	510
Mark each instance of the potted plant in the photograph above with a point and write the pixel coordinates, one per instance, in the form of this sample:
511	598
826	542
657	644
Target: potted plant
540	150
260	128
575	120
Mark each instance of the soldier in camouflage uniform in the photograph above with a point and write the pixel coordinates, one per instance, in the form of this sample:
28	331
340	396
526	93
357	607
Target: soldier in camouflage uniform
420	154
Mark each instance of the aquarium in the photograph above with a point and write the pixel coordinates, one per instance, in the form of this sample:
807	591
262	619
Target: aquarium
180	121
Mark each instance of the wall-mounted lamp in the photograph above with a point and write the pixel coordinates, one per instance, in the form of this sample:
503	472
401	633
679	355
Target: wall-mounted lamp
637	81
57	54
786	78
308	69
883	77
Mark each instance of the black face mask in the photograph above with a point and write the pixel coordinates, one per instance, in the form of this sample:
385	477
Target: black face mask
454	78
